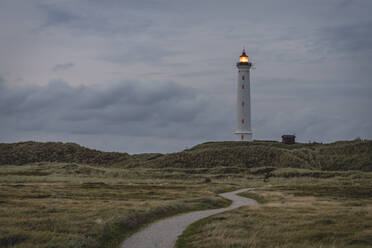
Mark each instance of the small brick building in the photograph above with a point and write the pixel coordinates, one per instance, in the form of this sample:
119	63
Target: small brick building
288	139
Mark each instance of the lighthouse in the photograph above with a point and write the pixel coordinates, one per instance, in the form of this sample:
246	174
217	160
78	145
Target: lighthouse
243	130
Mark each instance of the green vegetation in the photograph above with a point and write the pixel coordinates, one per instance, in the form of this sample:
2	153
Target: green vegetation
65	195
294	213
73	205
338	156
352	155
31	152
257	197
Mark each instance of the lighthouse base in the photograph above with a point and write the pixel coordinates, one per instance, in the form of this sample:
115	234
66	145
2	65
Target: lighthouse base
243	136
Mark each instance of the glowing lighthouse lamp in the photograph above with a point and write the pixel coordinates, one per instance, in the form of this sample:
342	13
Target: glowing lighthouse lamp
243	106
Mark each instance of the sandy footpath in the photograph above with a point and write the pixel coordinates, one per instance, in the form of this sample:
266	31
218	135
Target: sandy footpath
164	233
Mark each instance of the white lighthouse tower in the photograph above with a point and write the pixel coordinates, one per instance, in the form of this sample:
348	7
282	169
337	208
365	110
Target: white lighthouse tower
243	105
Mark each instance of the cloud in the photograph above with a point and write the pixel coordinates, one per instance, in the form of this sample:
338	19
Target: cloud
173	62
56	15
350	38
166	116
90	18
313	109
157	110
140	53
63	67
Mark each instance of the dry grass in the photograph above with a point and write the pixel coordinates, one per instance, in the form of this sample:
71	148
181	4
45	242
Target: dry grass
61	201
237	156
292	215
73	205
76	205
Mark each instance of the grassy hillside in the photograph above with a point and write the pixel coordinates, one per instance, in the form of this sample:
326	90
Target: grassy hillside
342	155
345	155
32	152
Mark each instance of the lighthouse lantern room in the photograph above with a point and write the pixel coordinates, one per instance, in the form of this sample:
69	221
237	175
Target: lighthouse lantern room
243	130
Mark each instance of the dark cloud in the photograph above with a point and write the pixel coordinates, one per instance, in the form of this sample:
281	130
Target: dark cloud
312	78
344	3
63	67
130	109
349	38
314	110
140	53
165	113
56	15
89	19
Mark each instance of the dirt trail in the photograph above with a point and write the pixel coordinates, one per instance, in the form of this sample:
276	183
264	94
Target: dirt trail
164	233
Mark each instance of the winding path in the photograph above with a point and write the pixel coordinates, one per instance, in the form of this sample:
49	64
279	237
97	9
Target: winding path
164	233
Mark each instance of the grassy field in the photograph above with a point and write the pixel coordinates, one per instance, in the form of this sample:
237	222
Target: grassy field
72	205
65	195
296	212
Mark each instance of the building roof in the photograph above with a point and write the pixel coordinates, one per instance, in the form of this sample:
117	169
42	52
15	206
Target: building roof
243	54
288	136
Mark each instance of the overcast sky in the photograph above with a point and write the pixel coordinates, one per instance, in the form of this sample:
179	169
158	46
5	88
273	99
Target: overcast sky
159	75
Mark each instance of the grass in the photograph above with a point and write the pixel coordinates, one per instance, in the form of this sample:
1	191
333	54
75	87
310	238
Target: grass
80	205
51	205
315	213
351	155
65	195
252	195
337	156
